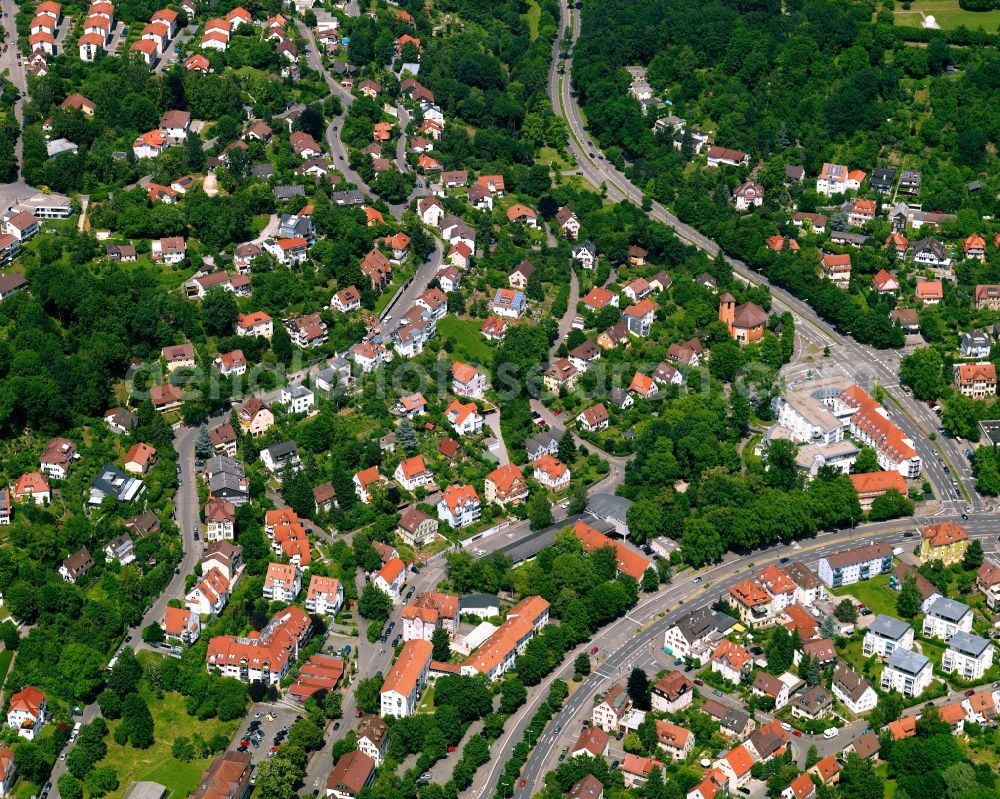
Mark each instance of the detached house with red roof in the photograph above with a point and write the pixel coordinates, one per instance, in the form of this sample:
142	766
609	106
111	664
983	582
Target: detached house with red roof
412	473
181	626
885	282
505	486
459	506
32	487
464	418
732	661
365	480
929	292
391	578
27	712
551	473
837	268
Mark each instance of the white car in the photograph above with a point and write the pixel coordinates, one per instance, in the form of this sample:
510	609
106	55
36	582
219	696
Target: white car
786	726
831	732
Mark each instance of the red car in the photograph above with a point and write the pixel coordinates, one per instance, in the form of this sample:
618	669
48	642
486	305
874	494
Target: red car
970	692
796	733
523	783
245	742
357	713
451	749
594	651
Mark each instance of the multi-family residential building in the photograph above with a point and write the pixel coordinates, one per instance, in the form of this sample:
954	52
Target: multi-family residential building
391	578
181	625
496	655
672	692
870	424
265	657
505	486
210	594
852	690
674	741
428	611
325	595
459	506
944	541
753	603
417	528
976	380
282	583
945	617
467	381
885	635
967	656
373	737
732	661
695	634
854	565
220	520
611	708
402	686
988	584
906	671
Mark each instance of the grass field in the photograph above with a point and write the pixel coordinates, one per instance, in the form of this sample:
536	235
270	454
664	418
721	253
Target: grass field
875	594
156	763
468	340
534	12
948	15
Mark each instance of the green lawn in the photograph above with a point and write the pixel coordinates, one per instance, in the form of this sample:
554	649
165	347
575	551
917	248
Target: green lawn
156	763
468	340
875	594
533	14
948	15
5	657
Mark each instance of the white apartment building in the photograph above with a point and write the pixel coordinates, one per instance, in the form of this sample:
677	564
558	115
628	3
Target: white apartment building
885	635
401	689
297	398
807	419
907	672
968	656
945	617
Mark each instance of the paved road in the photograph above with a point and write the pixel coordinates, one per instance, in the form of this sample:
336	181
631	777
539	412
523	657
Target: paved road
418	285
10	65
566	323
182	36
868	364
338	151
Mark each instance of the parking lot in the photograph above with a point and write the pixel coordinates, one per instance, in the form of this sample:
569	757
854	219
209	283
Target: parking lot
283	715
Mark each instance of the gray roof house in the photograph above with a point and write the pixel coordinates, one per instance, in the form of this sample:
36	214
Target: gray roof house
112	482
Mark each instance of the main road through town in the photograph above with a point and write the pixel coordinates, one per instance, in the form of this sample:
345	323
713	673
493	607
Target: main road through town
866	365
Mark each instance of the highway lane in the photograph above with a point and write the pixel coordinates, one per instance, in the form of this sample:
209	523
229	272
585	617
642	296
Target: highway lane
867	362
625	645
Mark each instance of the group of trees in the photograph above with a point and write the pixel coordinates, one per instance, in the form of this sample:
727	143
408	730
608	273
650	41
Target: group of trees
724	508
